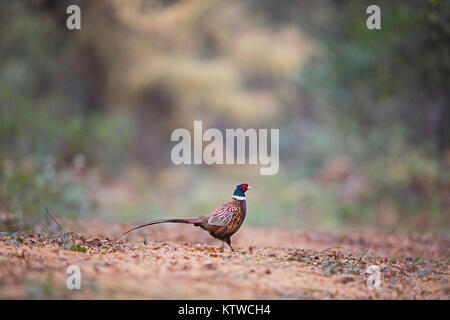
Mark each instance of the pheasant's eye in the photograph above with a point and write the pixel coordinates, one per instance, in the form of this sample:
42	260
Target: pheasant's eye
244	187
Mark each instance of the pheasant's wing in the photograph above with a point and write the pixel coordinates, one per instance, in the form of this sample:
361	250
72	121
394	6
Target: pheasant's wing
222	216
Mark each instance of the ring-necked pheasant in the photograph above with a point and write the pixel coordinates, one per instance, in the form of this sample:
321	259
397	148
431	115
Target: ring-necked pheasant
222	222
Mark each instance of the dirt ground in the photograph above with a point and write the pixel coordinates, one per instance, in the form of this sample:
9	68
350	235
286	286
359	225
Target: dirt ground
183	262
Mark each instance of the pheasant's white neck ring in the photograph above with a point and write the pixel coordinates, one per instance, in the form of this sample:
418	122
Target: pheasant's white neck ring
238	197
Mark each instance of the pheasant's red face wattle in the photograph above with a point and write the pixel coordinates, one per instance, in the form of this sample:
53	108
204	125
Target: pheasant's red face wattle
244	187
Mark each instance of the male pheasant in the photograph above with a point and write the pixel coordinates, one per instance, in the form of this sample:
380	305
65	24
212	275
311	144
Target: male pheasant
222	222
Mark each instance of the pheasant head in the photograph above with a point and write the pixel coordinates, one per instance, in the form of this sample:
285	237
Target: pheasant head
239	192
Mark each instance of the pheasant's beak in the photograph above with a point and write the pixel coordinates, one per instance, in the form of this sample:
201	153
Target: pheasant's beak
248	188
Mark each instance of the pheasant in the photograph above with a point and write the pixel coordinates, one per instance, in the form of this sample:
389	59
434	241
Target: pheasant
221	223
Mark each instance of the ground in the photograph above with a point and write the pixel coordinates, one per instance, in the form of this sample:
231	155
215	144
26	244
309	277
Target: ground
183	262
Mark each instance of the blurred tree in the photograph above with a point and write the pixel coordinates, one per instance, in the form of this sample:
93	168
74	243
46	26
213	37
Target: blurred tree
399	74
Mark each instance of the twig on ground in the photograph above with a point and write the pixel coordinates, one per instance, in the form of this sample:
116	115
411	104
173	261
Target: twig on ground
361	256
324	250
56	221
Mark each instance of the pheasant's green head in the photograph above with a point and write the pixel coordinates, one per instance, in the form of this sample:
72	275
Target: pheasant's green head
239	192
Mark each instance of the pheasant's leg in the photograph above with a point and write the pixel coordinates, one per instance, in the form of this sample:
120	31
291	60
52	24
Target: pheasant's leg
223	246
229	244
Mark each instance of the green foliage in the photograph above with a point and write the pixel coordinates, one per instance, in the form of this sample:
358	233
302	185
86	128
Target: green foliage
29	186
77	247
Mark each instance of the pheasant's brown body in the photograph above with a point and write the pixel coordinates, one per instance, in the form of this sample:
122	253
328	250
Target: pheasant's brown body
225	232
222	222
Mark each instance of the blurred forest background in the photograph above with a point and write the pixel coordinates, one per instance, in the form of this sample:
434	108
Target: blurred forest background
86	116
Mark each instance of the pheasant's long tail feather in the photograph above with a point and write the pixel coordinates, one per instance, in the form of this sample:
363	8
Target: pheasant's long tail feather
178	220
